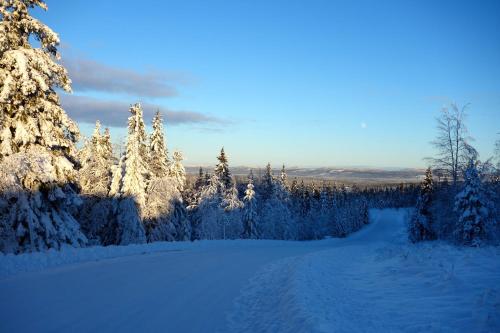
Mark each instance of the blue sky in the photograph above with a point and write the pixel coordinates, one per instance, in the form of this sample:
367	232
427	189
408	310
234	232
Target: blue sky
307	83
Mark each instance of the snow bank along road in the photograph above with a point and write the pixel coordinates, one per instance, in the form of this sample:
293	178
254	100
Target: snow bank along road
371	281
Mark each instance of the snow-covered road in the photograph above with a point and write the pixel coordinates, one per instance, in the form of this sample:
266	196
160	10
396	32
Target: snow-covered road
185	288
370	281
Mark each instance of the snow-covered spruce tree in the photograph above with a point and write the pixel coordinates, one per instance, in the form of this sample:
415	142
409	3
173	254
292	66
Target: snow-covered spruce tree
161	195
216	213
200	180
136	173
324	213
192	199
303	214
472	207
135	176
275	220
250	211
158	154
222	171
177	170
311	223
96	159
129	182
227	196
37	138
209	211
193	202
231	204
287	222
267	183
284	178
164	214
294	188
95	215
420	224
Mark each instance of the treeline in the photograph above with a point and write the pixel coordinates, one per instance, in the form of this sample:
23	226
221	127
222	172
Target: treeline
271	207
465	213
467	210
144	197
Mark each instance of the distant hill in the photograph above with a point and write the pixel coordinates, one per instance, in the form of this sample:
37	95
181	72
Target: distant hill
342	175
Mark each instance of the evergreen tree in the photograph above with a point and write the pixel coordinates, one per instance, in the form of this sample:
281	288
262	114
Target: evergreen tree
116	178
267	183
294	188
200	180
222	171
232	220
96	162
209	210
324	212
158	157
276	220
129	228
162	196
284	178
37	138
420	225
135	174
129	182
250	211
177	171
165	216
95	175
472	207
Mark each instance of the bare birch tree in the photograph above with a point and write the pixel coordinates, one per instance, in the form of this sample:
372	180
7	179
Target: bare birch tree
452	143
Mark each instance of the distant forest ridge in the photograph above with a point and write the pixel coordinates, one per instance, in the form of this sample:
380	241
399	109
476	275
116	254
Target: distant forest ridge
342	175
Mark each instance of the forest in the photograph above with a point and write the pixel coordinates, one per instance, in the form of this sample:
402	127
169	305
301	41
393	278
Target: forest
53	194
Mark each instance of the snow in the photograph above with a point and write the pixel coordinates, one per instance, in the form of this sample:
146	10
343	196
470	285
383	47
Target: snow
375	281
174	287
371	281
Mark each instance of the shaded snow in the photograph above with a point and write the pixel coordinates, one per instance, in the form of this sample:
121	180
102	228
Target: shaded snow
171	287
374	281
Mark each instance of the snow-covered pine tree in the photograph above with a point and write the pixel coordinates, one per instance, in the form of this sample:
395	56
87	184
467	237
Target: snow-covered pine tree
116	178
420	224
135	174
192	195
107	146
95	174
158	155
324	213
267	183
284	178
294	188
37	138
472	207
231	204
250	211
222	171
275	221
161	194
96	161
164	214
200	180
129	182
209	211
177	170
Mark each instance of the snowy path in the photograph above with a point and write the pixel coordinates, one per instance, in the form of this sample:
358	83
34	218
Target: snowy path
178	290
370	281
374	281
